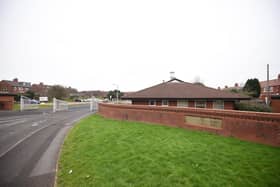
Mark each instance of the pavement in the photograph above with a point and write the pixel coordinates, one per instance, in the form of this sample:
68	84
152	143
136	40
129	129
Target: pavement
30	142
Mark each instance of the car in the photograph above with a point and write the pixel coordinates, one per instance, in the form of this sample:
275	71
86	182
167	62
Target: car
34	101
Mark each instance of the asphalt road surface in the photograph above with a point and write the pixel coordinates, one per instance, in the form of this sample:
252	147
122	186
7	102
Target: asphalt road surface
30	142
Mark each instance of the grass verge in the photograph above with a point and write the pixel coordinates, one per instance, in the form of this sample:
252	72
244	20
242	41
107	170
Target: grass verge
104	152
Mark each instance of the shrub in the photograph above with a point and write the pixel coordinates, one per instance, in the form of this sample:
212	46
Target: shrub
257	107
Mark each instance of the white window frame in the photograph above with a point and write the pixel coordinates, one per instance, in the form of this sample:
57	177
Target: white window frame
154	101
163	102
182	103
270	89
195	103
220	106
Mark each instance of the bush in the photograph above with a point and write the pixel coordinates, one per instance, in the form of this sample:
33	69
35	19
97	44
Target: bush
257	107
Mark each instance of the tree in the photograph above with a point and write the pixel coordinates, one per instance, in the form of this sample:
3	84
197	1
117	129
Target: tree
58	92
30	94
112	94
252	87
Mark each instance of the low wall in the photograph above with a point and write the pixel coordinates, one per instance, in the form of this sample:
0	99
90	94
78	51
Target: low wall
252	126
6	102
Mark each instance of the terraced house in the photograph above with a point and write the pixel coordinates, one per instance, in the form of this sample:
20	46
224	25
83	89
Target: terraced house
178	93
14	86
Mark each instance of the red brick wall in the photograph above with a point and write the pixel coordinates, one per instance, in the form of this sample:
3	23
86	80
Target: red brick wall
251	126
228	105
275	105
6	102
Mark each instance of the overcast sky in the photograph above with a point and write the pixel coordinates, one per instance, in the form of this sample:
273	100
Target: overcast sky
93	45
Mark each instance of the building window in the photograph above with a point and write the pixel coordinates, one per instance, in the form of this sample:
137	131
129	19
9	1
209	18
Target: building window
182	103
200	104
152	102
270	88
164	103
218	104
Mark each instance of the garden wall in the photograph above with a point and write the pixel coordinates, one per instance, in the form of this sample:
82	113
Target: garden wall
252	126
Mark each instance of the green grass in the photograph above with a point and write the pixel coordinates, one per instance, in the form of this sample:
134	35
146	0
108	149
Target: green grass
103	152
16	106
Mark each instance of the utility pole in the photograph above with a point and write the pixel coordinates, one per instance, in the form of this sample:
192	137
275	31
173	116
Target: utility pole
267	99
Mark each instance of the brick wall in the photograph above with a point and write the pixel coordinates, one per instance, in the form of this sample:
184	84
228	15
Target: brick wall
6	102
275	104
251	126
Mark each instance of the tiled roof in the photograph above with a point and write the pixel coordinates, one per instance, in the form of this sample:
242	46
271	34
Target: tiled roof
19	84
178	89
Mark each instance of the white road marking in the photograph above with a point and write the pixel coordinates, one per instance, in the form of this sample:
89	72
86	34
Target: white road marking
10	120
13	123
35	124
20	141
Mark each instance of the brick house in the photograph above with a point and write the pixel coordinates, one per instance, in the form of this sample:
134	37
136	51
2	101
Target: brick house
274	87
14	86
182	94
40	89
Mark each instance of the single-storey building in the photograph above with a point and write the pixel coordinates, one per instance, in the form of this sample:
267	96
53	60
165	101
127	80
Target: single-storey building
183	94
6	101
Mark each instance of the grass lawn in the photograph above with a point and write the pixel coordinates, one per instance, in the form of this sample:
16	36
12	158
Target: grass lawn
103	152
41	106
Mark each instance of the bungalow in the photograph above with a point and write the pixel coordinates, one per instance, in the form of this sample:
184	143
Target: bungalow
182	94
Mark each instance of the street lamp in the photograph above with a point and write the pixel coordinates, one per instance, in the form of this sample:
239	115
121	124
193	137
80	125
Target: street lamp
117	94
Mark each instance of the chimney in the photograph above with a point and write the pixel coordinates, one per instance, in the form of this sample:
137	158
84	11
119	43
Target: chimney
236	85
226	86
172	75
15	80
279	76
219	88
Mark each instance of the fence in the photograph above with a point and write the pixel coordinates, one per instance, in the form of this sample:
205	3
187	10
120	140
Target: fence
27	104
251	126
59	105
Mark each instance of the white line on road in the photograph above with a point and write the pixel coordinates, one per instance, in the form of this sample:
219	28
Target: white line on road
13	123
20	141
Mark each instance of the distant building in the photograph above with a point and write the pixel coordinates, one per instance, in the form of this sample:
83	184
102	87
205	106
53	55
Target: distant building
40	89
95	93
14	86
182	94
236	87
273	90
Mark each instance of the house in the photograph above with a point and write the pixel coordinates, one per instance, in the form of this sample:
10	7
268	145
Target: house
40	89
182	94
14	86
273	90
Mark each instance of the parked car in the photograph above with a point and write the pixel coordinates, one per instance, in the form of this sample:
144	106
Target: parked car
34	101
78	100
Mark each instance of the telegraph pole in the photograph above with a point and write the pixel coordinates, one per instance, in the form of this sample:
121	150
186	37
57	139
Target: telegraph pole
267	87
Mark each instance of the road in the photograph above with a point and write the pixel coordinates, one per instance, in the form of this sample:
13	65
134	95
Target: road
30	142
